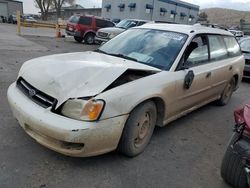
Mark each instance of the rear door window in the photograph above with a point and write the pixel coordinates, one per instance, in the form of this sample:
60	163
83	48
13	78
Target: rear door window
217	46
85	21
233	47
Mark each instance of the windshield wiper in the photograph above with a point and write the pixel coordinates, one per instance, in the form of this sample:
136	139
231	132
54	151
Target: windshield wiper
117	55
123	56
100	51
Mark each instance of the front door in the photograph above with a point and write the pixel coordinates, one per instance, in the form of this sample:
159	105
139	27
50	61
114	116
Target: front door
193	85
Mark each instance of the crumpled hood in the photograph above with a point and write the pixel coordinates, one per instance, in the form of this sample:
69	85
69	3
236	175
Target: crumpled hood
72	75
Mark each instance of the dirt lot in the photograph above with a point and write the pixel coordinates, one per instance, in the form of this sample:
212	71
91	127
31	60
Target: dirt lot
185	154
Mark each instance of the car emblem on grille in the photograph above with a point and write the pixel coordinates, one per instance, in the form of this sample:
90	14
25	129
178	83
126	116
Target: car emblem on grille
32	92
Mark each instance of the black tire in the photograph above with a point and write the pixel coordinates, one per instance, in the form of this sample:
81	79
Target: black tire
227	93
138	129
78	39
232	169
89	38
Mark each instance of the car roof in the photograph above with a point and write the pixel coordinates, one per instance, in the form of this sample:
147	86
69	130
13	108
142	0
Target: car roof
186	29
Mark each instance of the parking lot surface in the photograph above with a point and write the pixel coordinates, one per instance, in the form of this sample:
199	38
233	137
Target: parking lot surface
185	154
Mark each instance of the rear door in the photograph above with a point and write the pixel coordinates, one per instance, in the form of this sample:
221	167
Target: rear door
85	23
220	65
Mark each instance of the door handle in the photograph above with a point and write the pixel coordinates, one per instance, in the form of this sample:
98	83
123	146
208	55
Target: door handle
208	74
231	68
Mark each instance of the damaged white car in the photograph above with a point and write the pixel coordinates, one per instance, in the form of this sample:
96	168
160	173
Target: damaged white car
89	103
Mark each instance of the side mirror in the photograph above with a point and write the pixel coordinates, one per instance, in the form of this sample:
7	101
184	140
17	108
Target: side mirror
189	78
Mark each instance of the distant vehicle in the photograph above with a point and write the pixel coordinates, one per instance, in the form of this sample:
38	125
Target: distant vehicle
235	168
245	48
85	27
12	19
29	19
3	19
116	20
104	35
237	33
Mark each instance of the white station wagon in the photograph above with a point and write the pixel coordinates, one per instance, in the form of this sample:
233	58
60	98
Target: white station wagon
89	103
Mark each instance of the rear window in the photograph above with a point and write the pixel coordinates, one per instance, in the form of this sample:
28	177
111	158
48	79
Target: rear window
233	47
85	20
74	19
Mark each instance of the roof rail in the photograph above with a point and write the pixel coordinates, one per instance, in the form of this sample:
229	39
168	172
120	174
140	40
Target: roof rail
212	26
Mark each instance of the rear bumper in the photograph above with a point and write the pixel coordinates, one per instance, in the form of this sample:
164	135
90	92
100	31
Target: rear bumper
72	33
65	135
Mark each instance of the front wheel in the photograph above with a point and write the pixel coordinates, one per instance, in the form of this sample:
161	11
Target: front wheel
138	129
227	93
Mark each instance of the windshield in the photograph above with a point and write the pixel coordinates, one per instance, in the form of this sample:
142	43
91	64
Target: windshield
125	24
151	47
245	45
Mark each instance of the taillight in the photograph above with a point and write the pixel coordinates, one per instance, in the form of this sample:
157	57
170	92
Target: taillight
238	115
242	117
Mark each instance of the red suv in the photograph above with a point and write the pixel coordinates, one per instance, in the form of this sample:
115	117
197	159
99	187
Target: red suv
85	27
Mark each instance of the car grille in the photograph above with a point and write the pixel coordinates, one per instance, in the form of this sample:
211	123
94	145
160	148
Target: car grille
247	61
102	34
35	95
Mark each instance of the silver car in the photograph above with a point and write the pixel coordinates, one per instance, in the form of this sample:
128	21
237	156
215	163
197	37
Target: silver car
105	34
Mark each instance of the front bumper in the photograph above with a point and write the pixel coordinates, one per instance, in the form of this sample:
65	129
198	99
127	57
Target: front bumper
101	40
73	33
62	134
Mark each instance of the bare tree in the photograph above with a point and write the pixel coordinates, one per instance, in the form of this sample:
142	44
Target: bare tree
57	4
44	6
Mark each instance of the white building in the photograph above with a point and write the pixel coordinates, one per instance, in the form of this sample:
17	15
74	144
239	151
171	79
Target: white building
173	11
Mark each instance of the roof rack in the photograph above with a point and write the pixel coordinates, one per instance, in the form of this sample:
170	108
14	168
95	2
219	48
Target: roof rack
212	26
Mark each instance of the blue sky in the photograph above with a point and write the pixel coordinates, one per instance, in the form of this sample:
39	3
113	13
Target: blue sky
233	4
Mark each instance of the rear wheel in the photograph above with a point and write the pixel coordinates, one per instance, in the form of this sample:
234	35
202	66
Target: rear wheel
138	129
227	93
89	38
78	39
232	169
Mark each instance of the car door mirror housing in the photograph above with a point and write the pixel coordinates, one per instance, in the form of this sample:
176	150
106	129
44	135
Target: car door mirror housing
189	78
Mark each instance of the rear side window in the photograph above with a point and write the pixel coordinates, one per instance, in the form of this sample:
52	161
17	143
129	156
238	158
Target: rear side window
233	47
218	49
85	20
103	23
74	19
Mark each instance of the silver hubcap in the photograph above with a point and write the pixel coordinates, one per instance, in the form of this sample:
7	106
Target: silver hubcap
90	39
143	129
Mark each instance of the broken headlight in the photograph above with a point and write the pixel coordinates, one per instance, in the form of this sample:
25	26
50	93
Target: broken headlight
82	109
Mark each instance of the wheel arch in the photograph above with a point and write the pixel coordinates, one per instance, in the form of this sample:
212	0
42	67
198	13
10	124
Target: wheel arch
160	107
89	32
